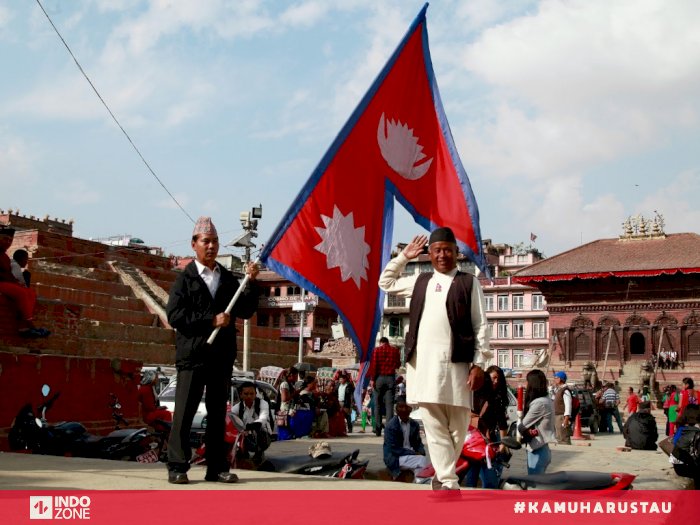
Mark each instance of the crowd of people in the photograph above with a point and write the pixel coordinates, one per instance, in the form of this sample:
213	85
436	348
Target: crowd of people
667	359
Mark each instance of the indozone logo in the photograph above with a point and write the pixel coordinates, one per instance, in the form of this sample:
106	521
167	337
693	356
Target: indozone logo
59	507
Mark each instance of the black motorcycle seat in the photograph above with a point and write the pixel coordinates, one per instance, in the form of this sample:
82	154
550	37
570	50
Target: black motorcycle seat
564	480
69	427
298	464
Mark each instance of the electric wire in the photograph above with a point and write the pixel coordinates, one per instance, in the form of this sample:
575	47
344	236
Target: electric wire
112	114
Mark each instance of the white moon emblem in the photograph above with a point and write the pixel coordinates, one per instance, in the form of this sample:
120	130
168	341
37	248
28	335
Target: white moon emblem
401	150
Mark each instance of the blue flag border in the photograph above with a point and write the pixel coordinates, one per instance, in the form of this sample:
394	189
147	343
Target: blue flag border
391	193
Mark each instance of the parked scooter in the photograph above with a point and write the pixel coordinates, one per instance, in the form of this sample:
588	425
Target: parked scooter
156	443
343	465
326	464
36	435
477	450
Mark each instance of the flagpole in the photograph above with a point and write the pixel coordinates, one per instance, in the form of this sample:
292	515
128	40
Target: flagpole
235	297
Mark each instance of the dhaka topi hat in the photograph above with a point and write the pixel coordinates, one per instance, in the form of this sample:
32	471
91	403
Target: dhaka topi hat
204	226
442	235
561	375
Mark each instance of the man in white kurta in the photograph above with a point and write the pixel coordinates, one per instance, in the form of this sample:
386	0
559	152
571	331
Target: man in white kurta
435	383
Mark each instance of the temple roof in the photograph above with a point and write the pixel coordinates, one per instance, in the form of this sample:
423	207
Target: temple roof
670	254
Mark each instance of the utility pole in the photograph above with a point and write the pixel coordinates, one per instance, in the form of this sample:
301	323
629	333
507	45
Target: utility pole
249	222
302	319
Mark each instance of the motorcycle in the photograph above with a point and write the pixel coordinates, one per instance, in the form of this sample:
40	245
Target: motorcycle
327	464
477	450
343	465
36	435
156	443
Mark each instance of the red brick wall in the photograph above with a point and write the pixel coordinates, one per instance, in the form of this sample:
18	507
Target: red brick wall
84	384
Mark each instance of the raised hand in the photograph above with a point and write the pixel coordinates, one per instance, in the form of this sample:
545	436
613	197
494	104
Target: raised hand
414	248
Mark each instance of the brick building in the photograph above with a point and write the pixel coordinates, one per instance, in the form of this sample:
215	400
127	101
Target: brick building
616	302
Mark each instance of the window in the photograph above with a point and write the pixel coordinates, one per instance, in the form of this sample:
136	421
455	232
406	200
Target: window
503	332
276	321
321	322
537	301
518	355
395	327
266	291
491	333
518	329
538	330
503	358
278	292
394	301
290	290
263	319
518	302
465	266
489	303
502	303
292	319
425	267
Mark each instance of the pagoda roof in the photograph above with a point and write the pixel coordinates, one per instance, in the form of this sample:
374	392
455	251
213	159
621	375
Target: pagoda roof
624	257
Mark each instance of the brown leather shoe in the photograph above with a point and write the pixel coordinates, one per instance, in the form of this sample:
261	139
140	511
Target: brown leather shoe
222	477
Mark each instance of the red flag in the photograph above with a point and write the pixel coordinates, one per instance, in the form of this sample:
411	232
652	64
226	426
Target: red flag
336	237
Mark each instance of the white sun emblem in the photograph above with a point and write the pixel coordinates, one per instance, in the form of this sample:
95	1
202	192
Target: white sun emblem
344	246
401	150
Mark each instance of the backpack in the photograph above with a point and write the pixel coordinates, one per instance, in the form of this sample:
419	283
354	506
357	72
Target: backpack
687	451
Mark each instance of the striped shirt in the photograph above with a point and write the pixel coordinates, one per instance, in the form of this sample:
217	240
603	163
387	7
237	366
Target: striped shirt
610	398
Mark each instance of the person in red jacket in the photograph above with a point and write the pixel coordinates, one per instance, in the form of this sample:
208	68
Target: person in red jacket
150	409
23	297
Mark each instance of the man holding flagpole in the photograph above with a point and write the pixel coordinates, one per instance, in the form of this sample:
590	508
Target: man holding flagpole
196	307
447	335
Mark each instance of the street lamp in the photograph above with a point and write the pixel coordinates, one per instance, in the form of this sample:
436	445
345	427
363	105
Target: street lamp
249	222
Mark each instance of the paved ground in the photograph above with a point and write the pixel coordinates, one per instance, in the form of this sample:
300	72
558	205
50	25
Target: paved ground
32	472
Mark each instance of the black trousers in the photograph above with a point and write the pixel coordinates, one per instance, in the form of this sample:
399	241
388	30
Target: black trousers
188	394
384	392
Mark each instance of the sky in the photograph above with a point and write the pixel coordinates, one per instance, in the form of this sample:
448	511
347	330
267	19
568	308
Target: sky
569	116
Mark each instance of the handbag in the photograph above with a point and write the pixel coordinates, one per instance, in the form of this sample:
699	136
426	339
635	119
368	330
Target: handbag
666	445
282	418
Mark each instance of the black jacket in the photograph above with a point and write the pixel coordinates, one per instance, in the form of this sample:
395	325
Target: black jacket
191	310
640	431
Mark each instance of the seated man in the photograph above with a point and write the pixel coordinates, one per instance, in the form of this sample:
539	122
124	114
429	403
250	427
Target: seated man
640	429
23	297
403	447
255	414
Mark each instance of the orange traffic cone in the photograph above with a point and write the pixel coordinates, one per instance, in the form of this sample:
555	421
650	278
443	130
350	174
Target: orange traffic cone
577	429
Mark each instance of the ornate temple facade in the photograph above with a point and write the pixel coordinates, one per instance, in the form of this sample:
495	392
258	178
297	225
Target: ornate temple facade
625	299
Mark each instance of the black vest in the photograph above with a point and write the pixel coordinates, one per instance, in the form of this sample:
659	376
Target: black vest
459	314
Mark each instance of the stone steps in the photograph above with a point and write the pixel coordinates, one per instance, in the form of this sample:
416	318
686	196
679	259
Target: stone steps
92	329
80	283
89	298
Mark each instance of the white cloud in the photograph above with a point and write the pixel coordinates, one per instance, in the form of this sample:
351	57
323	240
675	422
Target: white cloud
585	82
16	163
77	192
673	201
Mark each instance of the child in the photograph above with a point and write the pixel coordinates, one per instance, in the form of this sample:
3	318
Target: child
367	406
